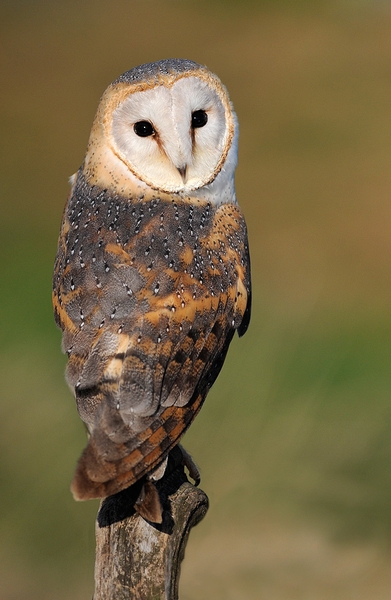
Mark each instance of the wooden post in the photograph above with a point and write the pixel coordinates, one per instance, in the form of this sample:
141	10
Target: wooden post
138	560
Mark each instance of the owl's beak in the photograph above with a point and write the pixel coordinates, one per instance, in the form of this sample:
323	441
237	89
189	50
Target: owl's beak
183	172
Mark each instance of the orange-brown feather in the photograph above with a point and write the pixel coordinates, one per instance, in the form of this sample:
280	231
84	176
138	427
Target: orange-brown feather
148	294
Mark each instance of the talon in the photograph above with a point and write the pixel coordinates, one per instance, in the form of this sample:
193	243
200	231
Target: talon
190	465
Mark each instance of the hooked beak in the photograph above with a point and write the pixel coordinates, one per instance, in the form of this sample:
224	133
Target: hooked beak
183	173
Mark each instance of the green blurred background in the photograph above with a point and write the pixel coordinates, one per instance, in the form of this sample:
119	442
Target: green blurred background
294	441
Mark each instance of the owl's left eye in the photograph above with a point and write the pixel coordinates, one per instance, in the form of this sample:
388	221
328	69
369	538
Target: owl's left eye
199	118
143	128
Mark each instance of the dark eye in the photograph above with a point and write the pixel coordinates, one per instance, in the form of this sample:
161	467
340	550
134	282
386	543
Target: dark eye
199	118
143	129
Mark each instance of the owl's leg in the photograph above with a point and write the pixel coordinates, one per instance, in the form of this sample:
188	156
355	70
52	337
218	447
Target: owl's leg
158	473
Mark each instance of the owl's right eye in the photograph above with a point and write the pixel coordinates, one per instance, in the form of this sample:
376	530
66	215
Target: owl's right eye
143	129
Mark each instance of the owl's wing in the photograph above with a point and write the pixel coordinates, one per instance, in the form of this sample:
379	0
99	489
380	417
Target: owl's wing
147	322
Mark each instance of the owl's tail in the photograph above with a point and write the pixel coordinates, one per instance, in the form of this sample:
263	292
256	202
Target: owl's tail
112	462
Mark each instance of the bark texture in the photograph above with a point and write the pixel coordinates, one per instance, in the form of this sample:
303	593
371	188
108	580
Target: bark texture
138	560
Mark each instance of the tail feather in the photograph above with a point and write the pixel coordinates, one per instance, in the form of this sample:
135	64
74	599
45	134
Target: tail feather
98	476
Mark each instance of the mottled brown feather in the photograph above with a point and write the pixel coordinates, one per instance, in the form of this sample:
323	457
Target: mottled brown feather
148	294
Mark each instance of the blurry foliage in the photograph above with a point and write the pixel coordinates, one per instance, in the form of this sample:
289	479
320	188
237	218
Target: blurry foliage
296	432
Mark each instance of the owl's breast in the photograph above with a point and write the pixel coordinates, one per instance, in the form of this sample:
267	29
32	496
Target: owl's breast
151	271
115	254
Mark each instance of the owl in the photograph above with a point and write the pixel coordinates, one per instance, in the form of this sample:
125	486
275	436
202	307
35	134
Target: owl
152	274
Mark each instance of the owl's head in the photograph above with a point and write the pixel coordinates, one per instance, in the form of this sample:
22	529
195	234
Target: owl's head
168	126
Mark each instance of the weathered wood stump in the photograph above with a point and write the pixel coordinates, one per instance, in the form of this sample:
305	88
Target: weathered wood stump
138	560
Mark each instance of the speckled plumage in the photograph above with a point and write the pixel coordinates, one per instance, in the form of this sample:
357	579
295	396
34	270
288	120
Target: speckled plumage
148	289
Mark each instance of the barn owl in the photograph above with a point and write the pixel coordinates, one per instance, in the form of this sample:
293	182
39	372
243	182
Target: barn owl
152	275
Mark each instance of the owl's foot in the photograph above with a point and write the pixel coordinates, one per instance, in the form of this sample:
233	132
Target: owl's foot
190	465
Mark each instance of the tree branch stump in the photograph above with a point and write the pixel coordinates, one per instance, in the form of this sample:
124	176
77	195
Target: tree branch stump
138	560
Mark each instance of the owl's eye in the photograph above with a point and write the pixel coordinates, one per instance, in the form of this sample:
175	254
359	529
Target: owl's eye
199	118
143	129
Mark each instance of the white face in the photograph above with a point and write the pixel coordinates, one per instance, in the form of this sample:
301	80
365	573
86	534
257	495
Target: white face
173	138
